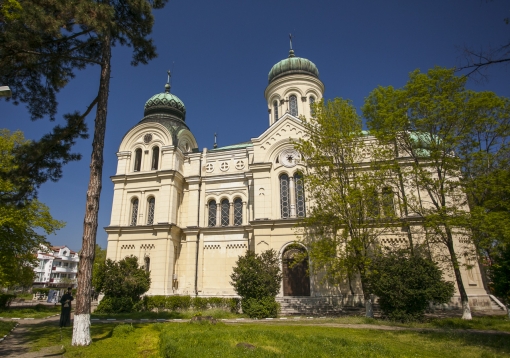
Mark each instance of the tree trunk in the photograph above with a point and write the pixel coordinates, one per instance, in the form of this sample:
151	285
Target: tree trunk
466	311
81	326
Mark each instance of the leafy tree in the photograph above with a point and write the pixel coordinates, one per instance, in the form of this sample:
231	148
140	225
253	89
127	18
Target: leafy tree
122	282
256	278
348	212
23	228
500	275
99	261
42	46
406	283
432	122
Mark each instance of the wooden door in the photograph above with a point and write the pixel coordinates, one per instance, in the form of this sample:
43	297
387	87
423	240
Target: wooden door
296	281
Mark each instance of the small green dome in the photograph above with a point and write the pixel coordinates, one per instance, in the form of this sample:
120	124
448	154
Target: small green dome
292	65
165	103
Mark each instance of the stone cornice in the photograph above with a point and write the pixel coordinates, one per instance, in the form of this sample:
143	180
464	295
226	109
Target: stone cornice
260	167
144	176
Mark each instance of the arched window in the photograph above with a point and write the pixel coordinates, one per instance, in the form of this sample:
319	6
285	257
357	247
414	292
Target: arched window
138	160
293	105
387	202
225	212
147	264
300	195
155	158
275	110
312	102
284	196
238	212
212	213
134	211
150	211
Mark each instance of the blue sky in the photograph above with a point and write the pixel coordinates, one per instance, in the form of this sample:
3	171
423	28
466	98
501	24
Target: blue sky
221	52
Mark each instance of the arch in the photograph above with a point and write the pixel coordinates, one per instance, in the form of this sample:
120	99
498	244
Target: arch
238	211
212	213
150	210
138	160
293	105
284	196
155	158
296	281
225	212
134	211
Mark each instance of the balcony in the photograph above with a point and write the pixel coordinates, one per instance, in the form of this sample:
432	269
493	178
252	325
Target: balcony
64	269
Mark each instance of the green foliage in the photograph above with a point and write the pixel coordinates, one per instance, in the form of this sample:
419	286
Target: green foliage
99	261
123	330
260	307
111	304
6	299
405	284
183	303
200	303
23	225
257	276
500	274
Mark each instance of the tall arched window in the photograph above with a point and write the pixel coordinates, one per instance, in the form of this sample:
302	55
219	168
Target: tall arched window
284	196
300	195
134	211
150	211
225	212
212	213
147	264
238	212
275	110
155	158
138	160
387	202
293	105
312	102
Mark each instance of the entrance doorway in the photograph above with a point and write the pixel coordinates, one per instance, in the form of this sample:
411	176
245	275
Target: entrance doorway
296	281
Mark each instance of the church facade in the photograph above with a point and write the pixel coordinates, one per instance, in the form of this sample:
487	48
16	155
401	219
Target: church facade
188	214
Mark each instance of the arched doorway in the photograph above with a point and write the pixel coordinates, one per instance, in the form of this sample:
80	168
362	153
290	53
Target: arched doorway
296	281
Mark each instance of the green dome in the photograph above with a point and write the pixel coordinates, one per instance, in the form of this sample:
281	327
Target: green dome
292	65
165	103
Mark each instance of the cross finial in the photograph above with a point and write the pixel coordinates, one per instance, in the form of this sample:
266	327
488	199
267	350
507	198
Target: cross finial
215	144
167	86
290	38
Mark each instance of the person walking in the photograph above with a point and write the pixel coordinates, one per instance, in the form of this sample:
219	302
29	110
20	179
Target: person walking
65	314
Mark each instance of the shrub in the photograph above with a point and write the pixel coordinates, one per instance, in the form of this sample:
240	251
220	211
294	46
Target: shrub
6	299
234	304
200	303
405	284
115	305
260	307
175	303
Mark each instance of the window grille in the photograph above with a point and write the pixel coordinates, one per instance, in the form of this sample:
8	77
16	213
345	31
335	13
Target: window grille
212	213
300	195
275	110
225	212
138	160
284	196
150	212
387	202
238	212
293	105
155	158
134	212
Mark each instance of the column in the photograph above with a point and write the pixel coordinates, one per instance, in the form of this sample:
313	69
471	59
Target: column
218	214
292	197
231	214
245	212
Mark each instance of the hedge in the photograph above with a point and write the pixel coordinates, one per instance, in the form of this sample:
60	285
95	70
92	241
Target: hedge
176	303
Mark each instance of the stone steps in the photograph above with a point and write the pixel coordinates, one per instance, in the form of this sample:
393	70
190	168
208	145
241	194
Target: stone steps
494	305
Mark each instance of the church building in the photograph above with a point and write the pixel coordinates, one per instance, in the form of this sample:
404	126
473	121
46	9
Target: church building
189	213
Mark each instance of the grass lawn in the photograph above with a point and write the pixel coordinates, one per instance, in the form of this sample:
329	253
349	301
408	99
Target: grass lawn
37	311
5	327
270	340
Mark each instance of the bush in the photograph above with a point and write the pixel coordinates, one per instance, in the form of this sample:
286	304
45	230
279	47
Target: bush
6	299
405	284
234	304
200	303
260	307
115	305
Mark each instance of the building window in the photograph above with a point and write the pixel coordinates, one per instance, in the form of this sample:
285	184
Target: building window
238	212
155	158
147	264
225	212
373	205
284	196
293	105
134	212
212	213
300	195
312	102
150	211
138	160
275	110
387	202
